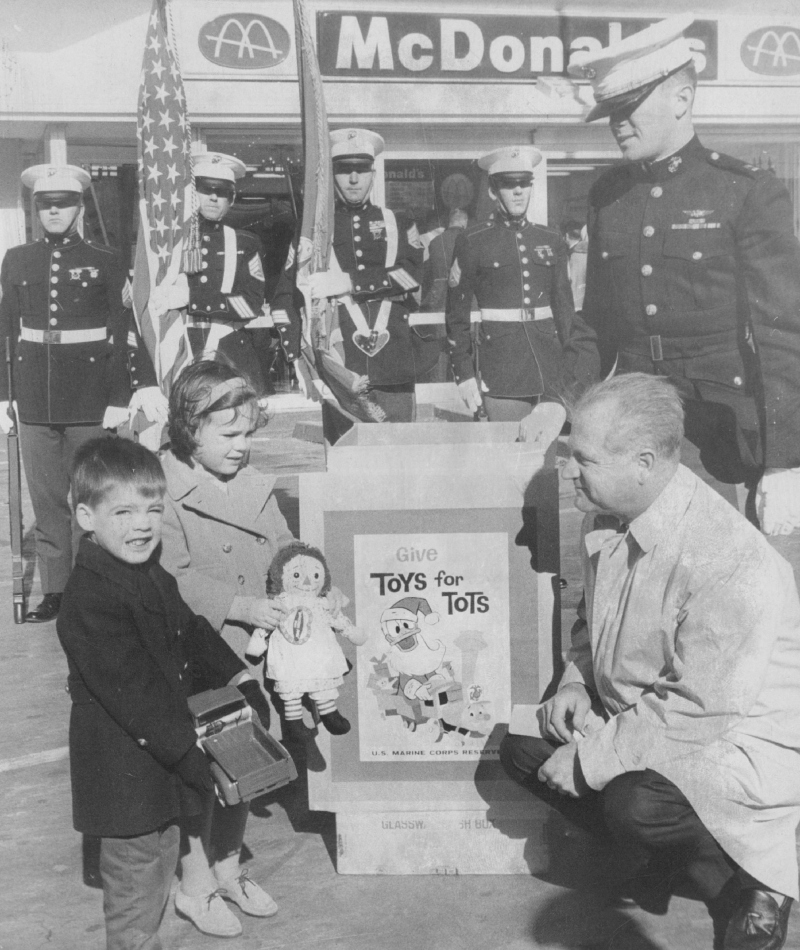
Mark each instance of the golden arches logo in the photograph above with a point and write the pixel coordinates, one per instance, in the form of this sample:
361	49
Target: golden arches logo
244	41
772	51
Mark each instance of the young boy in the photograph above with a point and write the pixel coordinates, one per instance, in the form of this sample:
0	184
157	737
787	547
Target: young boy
133	648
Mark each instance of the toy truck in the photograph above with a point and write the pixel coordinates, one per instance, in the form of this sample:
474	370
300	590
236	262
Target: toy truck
245	759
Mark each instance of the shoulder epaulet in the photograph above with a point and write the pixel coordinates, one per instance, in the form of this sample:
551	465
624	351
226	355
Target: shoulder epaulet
611	179
730	164
474	229
105	248
543	227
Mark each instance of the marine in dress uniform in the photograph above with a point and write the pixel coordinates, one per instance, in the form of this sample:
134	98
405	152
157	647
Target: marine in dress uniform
518	273
374	271
228	291
63	317
694	274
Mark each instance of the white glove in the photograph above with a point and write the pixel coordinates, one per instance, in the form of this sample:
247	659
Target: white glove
169	295
152	402
470	394
257	645
5	419
778	500
115	416
328	283
301	379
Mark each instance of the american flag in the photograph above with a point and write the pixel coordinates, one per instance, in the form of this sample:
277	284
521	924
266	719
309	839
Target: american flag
167	231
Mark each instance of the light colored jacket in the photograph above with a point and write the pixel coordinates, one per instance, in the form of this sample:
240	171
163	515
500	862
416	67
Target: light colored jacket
692	644
219	544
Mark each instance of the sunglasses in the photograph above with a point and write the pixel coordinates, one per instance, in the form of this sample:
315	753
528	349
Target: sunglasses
512	181
56	199
212	186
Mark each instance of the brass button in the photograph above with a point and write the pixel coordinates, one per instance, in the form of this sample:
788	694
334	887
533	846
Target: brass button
737	380
56	253
53	293
524	260
697	255
526	273
527	300
604	255
261	540
526	286
204	279
240	578
359	253
647	270
357	237
522	247
651	310
657	192
54	280
649	231
53	321
227	548
142	742
54	306
55	267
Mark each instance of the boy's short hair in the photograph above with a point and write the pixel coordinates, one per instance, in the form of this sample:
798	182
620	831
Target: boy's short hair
199	391
105	462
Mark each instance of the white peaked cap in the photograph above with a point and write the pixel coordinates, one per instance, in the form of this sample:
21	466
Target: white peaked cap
217	165
517	158
356	143
56	178
633	65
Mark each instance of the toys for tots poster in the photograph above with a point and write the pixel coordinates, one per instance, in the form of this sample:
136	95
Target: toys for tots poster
434	676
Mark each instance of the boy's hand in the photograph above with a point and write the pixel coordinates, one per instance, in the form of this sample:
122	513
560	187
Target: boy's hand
194	771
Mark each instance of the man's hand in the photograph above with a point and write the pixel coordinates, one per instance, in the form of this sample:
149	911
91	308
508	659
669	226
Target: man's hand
562	772
565	713
778	500
470	394
152	402
5	418
327	283
115	416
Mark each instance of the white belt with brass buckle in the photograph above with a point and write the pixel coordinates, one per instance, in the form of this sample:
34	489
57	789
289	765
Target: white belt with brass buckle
194	323
63	336
517	315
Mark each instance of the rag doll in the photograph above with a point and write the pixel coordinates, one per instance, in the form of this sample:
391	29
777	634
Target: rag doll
304	655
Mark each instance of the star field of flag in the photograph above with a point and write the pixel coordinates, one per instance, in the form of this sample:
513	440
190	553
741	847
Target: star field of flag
164	144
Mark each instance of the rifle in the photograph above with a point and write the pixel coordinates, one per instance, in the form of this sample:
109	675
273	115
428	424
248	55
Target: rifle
15	501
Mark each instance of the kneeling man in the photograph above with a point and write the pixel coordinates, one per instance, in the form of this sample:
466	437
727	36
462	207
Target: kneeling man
689	654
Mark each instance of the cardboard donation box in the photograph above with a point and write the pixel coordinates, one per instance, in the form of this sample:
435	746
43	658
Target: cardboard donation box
445	538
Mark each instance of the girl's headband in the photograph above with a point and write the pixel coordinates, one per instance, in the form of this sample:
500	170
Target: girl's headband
235	386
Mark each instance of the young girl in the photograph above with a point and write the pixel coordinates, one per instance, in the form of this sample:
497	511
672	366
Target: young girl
222	528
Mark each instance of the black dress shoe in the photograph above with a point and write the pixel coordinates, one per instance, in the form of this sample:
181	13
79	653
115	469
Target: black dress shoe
46	611
758	922
335	723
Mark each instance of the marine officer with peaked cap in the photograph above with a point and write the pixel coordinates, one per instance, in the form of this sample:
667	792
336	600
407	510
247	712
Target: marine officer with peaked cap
63	317
694	273
373	274
518	273
228	291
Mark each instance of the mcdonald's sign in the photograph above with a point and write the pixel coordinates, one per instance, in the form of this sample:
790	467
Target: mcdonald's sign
244	41
772	51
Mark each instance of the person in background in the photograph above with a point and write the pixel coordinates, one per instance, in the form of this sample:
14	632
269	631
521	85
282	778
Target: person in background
694	274
228	291
517	272
374	272
63	318
576	236
675	728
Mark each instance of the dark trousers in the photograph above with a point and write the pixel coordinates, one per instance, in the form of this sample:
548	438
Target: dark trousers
47	454
137	874
398	402
643	813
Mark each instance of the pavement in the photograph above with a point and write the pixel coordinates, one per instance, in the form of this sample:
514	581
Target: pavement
50	895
